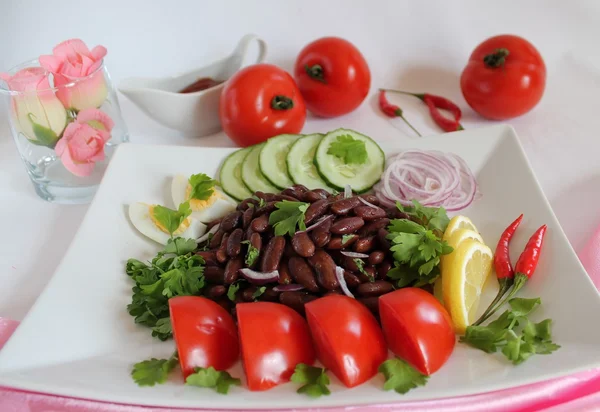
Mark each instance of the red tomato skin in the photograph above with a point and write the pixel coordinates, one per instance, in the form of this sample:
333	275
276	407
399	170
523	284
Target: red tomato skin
417	328
347	338
504	92
245	107
274	339
346	73
205	334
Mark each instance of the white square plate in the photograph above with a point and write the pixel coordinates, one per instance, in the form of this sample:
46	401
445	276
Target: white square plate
79	340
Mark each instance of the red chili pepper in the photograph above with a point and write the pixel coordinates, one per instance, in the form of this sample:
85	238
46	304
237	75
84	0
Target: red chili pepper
504	270
435	103
392	110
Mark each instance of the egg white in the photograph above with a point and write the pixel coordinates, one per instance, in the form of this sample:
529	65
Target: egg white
139	214
221	206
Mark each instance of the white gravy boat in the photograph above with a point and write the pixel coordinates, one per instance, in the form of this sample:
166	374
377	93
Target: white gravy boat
195	114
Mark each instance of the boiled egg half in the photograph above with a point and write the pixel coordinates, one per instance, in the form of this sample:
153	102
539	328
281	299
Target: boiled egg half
142	217
215	207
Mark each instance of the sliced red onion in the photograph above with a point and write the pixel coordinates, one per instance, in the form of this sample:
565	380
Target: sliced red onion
318	223
339	274
259	278
205	236
347	191
288	288
367	203
354	254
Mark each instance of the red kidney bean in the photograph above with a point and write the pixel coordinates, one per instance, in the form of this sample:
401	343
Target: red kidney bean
369	213
324	267
343	206
371	228
312	196
289	250
231	221
364	245
248	292
292	193
247	217
336	242
222	250
376	257
285	277
216	291
303	245
377	288
383	268
315	211
300	188
259	224
349	264
296	300
269	295
324	193
372	199
351	279
333	292
266	209
394	213
214	274
256	241
372	303
245	204
320	237
384	243
371	272
347	225
234	242
272	254
215	242
231	270
302	274
209	256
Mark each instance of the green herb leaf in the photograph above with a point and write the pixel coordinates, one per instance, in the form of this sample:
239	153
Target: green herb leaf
202	186
171	219
180	246
163	329
232	290
313	379
209	377
288	218
522	306
153	371
400	376
349	149
258	292
261	201
432	218
541	330
251	254
360	264
183	281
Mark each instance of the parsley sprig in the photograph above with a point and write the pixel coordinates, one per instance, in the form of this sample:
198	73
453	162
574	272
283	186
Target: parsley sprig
349	149
314	380
400	376
202	186
251	254
513	333
288	218
153	371
209	377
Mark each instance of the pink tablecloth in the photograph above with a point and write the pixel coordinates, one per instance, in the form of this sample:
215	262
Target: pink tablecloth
579	392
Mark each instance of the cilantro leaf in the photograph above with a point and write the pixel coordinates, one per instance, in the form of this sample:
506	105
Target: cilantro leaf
360	264
349	149
288	216
209	377
432	218
153	371
406	245
541	330
202	186
400	376
314	380
232	290
251	254
163	329
258	292
169	218
522	306
403	274
180	246
181	282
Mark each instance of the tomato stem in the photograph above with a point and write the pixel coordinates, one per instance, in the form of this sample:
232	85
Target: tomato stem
281	102
496	59
316	72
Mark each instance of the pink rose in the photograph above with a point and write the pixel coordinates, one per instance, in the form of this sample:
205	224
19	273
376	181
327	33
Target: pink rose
73	62
82	144
35	110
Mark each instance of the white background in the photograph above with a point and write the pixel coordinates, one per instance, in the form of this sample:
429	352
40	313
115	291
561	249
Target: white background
420	46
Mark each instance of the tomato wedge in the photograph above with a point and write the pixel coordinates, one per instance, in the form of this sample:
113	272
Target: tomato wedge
204	332
417	328
274	340
347	338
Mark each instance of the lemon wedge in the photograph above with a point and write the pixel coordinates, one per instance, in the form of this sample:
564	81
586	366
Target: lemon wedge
456	223
464	274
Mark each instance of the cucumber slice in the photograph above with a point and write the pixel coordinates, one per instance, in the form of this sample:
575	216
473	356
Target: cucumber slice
338	174
272	159
251	174
300	164
230	175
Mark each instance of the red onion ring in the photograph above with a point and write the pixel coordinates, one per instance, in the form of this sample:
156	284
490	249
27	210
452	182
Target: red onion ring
347	191
339	274
354	254
259	278
292	287
364	202
317	223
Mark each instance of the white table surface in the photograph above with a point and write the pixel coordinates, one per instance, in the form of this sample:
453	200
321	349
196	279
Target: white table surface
420	46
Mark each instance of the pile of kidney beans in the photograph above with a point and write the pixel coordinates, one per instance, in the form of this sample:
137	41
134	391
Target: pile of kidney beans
308	259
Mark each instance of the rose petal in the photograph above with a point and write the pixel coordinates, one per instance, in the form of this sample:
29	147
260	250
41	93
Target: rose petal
83	145
78	169
61	145
88	115
51	63
98	52
71	48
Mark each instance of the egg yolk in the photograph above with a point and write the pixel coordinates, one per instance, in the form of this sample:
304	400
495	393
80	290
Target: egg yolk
182	227
197	204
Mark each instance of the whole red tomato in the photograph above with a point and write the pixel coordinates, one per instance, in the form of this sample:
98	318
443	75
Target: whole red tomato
274	340
259	102
417	328
504	78
333	76
347	338
204	332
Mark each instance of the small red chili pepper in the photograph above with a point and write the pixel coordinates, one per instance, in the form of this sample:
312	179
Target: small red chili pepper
392	110
525	267
435	103
504	270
